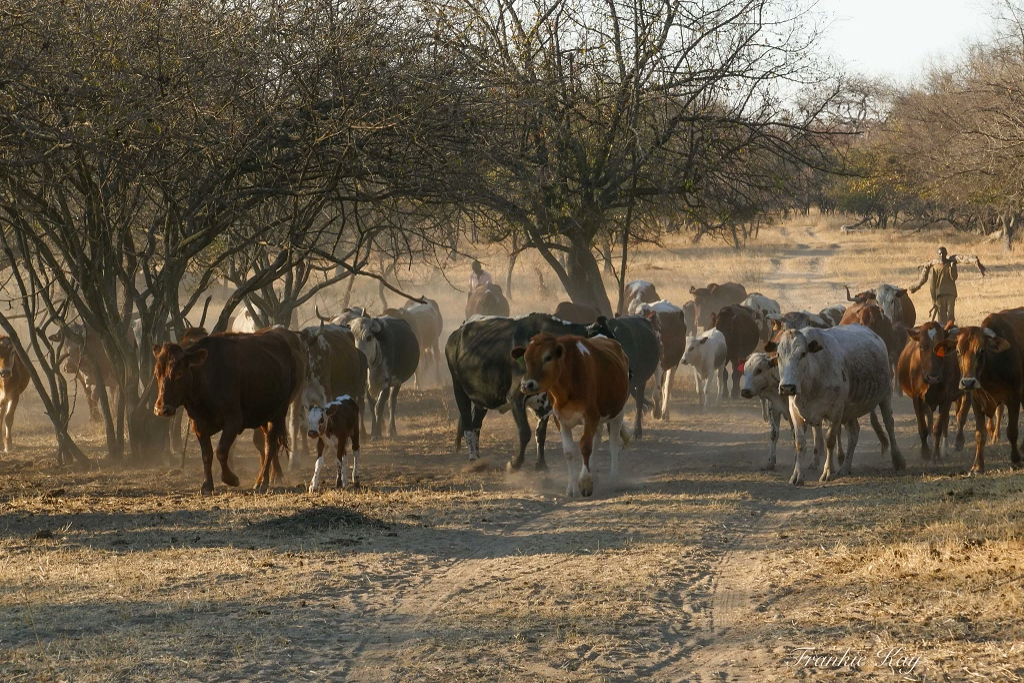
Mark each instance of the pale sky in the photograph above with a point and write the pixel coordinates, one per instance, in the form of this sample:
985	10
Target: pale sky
896	38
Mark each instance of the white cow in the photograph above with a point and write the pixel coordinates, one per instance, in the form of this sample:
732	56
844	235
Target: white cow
706	354
243	322
761	380
762	307
838	375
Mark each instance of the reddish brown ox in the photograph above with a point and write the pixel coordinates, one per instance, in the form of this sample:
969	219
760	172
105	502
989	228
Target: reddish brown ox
870	315
588	383
742	335
933	383
894	301
333	425
580	314
989	357
487	300
228	383
13	382
711	299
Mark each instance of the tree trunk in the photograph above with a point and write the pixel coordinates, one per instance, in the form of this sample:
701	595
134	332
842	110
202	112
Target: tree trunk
508	275
606	255
583	280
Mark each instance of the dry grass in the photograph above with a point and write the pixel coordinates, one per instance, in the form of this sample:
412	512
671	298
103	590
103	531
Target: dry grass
436	570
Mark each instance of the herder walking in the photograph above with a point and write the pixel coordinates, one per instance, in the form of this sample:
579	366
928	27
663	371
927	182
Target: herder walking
942	274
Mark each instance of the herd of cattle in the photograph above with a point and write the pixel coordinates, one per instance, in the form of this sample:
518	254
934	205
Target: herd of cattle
825	370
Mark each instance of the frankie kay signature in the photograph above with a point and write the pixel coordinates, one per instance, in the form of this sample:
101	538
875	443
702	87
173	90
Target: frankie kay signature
895	658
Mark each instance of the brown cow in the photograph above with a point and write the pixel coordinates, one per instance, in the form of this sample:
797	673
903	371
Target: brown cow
742	335
894	301
580	314
672	332
231	382
334	424
991	371
711	299
870	315
588	383
13	382
933	383
487	300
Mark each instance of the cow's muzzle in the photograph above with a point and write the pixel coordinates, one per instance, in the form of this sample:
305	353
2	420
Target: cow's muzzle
787	389
932	379
5	373
969	384
746	393
313	434
529	386
163	410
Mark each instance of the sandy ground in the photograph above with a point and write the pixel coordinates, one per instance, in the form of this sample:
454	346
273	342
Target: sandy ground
697	566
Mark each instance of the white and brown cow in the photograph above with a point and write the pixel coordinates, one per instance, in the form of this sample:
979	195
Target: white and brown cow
836	375
332	426
672	331
588	383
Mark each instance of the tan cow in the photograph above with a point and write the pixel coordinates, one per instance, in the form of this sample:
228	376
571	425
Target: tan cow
13	382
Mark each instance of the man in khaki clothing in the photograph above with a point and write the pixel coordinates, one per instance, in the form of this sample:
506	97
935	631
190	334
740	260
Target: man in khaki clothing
942	275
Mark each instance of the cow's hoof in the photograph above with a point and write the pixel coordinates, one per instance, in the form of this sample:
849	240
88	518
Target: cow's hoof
1015	465
231	479
311	489
587	487
541	466
260	487
513	466
206	490
797	480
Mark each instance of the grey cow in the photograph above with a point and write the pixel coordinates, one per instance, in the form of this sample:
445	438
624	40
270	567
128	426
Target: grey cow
392	354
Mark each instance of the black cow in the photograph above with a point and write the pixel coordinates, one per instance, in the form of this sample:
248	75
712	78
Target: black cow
392	354
485	377
640	343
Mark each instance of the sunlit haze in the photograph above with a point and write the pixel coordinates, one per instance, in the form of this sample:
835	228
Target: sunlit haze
898	38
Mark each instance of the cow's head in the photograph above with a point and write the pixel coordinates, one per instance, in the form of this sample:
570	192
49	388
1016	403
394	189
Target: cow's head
793	350
173	374
8	357
888	297
694	350
703	305
974	347
933	361
543	359
862	298
600	328
760	375
318	365
73	339
366	332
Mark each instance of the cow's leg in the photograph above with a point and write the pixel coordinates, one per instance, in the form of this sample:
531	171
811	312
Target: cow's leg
922	428
206	448
523	428
465	407
736	375
702	393
940	433
615	444
638	398
852	436
392	430
995	424
800	441
723	384
659	380
542	435
318	467
773	436
1012	415
376	429
764	410
339	452
5	426
666	391
980	435
586	483
473	433
275	435
569	449
354	438
963	407
227	437
819	446
898	463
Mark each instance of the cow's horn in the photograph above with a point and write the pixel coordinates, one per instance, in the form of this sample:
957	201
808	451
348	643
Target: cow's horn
323	319
989	332
848	296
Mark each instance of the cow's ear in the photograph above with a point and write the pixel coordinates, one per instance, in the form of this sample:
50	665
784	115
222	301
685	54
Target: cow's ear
770	346
196	357
517	353
814	346
777	325
559	350
714	319
693	290
156	350
774	361
998	345
703	340
375	326
914	333
945	346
